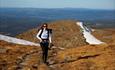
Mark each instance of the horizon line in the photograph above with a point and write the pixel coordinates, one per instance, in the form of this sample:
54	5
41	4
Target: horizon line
59	8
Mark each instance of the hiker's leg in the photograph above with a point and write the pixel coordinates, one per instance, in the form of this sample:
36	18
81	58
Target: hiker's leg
43	51
46	51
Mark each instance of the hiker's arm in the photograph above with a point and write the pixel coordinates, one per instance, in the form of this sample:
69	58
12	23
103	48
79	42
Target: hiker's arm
38	35
50	39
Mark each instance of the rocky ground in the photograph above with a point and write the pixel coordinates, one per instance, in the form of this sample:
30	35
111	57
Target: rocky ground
70	51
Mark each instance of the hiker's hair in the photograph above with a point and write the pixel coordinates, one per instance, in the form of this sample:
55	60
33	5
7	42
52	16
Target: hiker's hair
44	24
41	26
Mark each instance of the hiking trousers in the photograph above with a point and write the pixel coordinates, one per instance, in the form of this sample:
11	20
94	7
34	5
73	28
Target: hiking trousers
44	45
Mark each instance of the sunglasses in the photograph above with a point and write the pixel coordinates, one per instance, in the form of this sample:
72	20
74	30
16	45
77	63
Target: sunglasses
44	26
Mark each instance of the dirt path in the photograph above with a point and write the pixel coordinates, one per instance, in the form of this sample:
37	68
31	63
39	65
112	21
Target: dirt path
32	60
29	61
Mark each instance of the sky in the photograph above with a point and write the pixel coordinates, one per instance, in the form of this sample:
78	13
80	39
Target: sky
92	4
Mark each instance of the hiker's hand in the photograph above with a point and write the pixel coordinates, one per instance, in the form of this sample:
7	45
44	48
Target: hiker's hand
51	44
49	47
40	40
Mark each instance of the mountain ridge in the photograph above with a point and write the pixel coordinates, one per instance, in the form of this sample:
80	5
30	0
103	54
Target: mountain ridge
15	21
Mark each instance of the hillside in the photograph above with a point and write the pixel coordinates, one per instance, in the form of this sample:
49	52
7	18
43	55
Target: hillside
106	35
76	55
14	56
100	57
65	34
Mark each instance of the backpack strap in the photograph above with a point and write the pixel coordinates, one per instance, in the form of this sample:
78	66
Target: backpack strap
48	32
41	33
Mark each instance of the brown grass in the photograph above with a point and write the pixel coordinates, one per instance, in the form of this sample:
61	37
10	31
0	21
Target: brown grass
14	53
65	34
105	35
77	55
100	57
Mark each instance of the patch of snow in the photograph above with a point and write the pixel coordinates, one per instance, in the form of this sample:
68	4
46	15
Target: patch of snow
87	34
17	41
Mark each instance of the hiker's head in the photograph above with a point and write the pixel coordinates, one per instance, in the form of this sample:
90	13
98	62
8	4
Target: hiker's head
45	25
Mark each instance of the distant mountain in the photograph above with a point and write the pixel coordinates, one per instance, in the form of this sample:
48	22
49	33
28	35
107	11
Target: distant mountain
17	20
58	13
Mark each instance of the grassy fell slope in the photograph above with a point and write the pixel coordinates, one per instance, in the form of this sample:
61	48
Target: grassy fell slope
86	57
105	35
65	34
14	56
99	57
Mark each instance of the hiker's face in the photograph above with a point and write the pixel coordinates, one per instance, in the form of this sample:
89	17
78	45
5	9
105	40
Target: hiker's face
44	26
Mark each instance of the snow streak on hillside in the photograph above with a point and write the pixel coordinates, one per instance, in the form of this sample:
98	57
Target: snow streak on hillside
87	34
17	41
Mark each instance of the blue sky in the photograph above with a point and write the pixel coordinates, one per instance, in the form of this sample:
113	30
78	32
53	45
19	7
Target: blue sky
93	4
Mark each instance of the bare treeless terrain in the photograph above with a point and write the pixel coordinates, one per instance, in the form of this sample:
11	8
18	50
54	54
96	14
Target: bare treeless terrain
75	55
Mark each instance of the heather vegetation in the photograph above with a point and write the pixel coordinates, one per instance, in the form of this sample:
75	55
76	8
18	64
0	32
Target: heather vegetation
70	50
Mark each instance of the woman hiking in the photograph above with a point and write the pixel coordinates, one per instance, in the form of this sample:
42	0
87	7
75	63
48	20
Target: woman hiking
44	35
